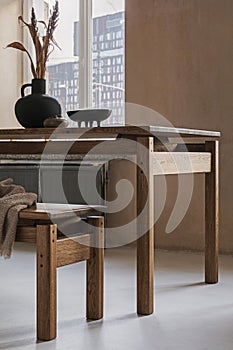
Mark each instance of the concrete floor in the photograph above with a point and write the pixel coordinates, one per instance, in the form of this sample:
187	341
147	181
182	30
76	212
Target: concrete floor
189	314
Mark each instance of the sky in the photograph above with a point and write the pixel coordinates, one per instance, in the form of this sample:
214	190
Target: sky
69	13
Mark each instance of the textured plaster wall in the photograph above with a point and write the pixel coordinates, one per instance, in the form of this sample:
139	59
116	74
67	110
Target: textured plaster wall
10	61
179	62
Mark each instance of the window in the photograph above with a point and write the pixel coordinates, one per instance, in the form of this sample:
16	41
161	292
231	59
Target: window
66	61
88	33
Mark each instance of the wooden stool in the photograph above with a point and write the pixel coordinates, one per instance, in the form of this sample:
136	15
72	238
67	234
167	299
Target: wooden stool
38	225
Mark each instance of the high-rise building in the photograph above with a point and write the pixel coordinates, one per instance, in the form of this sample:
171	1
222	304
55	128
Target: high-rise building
108	69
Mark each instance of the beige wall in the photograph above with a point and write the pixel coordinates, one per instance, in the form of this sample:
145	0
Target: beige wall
179	62
10	61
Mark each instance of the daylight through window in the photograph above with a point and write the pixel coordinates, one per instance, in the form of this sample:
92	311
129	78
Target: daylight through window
107	51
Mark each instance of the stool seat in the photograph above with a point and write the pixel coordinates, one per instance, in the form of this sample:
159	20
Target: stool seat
47	211
40	224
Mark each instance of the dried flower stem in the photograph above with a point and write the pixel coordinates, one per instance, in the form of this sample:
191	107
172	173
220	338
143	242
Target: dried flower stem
44	47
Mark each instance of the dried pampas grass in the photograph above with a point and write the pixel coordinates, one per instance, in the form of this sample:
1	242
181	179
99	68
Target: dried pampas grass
44	45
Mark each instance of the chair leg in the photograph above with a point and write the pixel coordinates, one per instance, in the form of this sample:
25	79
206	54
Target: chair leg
46	282
95	270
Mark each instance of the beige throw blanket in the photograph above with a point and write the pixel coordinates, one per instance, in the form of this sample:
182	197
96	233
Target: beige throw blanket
13	198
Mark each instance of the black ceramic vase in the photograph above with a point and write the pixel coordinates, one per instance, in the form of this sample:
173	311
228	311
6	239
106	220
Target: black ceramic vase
31	110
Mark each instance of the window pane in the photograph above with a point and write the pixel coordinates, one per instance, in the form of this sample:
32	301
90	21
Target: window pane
108	58
63	67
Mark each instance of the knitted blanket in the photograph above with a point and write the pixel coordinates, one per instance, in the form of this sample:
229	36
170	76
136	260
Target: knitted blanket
13	198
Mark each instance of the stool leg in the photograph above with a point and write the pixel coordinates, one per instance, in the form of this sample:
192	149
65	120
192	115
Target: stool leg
95	271
46	282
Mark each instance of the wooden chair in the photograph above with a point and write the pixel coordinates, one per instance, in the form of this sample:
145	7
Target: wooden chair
54	249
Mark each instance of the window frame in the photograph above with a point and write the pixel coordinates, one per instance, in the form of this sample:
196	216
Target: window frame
85	47
86	39
85	53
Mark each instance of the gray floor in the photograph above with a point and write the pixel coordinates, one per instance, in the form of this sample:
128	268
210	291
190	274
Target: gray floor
189	314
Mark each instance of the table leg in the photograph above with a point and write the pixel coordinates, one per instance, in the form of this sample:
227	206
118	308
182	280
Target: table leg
145	243
212	214
95	271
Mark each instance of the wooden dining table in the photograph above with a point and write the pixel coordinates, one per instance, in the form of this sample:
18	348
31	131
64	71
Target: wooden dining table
159	151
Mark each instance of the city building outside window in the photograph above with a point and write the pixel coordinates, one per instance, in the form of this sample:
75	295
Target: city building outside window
107	56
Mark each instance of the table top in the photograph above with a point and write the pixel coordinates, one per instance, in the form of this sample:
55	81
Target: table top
104	132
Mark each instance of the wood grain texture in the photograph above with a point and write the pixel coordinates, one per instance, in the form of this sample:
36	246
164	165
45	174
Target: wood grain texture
52	211
63	147
212	215
46	282
95	270
145	229
168	163
102	132
26	234
72	250
78	147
